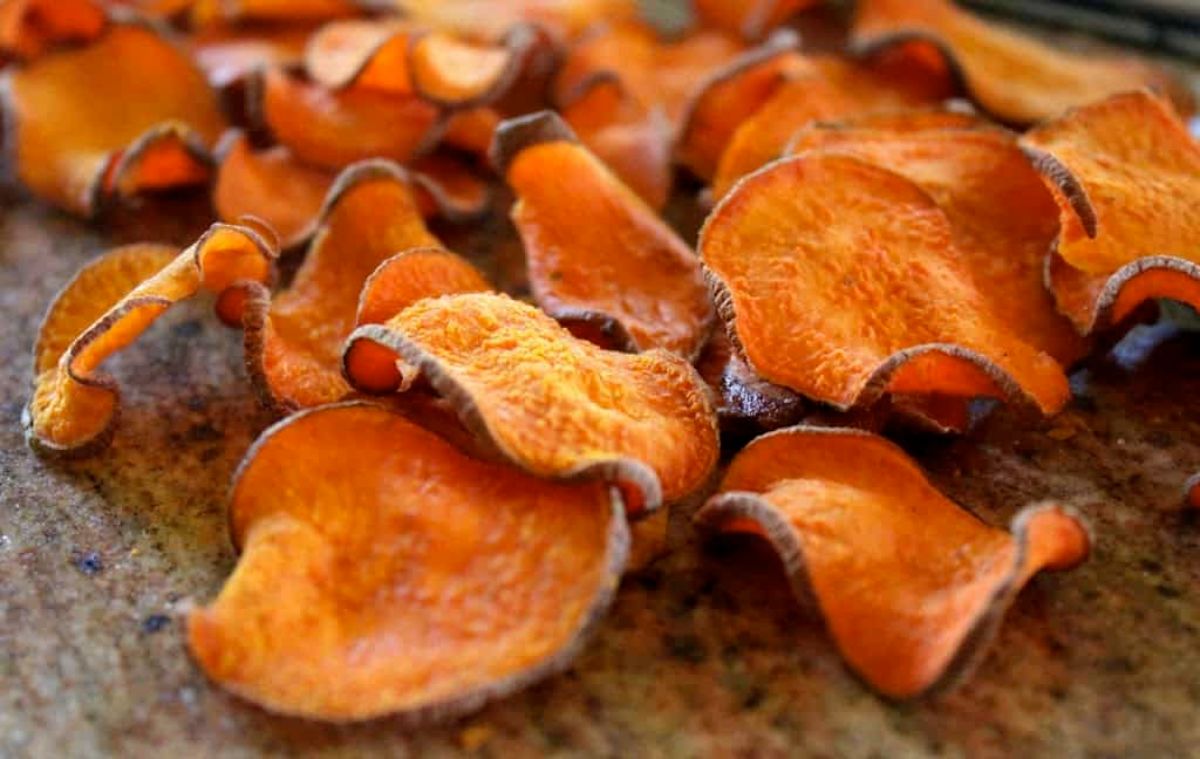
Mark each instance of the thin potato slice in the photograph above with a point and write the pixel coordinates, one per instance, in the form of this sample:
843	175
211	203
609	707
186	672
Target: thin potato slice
108	304
842	281
229	55
911	586
596	254
555	405
489	20
414	275
383	572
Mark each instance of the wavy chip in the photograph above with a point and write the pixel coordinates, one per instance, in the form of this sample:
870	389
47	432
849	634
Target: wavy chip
1004	222
1014	78
414	275
491	19
105	307
334	129
550	403
294	340
751	19
229	55
28	28
911	586
597	256
842	280
384	572
70	146
1125	173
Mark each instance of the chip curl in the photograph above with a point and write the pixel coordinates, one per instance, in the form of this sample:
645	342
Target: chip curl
107	305
911	586
1013	77
597	256
817	235
544	400
230	55
425	583
414	275
1125	173
70	146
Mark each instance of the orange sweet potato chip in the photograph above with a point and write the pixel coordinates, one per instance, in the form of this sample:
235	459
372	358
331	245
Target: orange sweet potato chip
413	275
71	146
1126	175
108	304
555	405
336	128
1013	77
492	19
836	89
30	27
229	54
209	12
425	583
596	254
842	280
911	586
751	19
294	340
1003	221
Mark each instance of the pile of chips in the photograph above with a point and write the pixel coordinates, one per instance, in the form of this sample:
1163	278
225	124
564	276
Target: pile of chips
940	211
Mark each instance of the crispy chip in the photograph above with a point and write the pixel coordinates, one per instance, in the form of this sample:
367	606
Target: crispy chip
836	89
384	572
1126	175
107	305
413	275
207	12
1004	223
30	27
448	188
842	281
335	129
294	340
472	129
492	19
72	147
550	403
730	95
228	55
596	254
911	586
1013	77
752	18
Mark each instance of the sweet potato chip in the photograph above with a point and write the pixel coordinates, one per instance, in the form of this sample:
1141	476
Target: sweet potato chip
596	254
836	89
553	404
472	129
107	305
1126	175
730	95
29	28
745	401
751	19
294	340
230	54
413	275
1003	221
384	572
1013	77
335	129
448	188
208	12
491	19
911	586
71	146
842	281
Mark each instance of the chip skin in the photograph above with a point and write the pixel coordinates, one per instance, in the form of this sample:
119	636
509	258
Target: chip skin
107	306
68	144
293	341
555	405
1013	77
623	270
817	235
911	586
1125	172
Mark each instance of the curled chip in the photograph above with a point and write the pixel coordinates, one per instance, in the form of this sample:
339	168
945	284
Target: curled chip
1013	77
71	146
384	572
275	187
835	90
598	257
555	405
108	304
1004	221
820	236
751	19
911	586
294	340
492	19
413	275
29	27
730	95
229	55
1126	175
336	128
